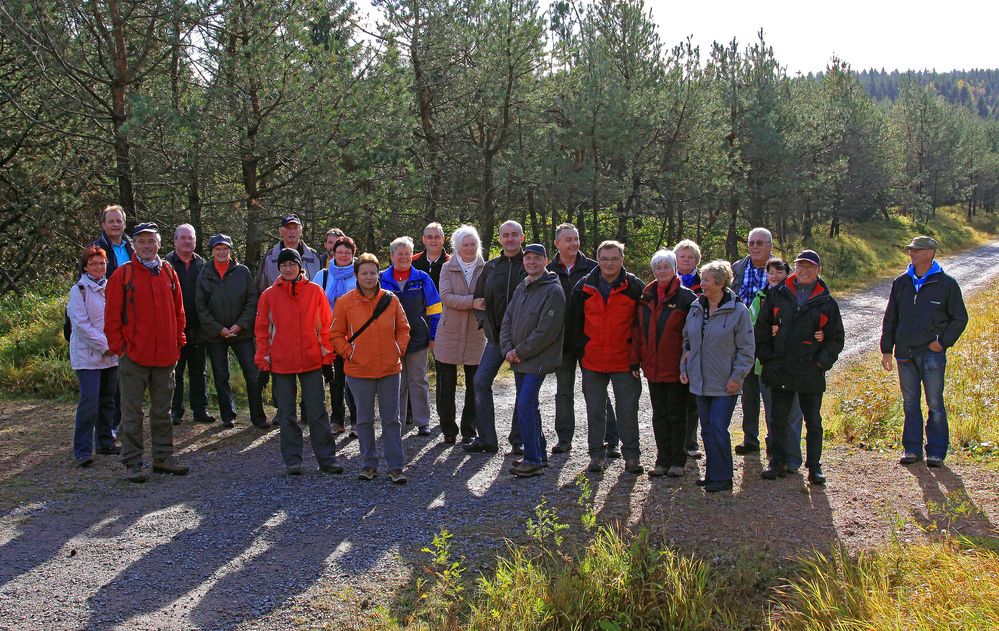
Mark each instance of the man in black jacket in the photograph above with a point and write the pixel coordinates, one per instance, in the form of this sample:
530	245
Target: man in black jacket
799	336
925	315
493	291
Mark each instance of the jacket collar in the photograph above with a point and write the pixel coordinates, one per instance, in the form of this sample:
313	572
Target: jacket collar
651	290
820	288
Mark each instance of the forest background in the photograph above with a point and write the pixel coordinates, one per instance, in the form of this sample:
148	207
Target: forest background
230	113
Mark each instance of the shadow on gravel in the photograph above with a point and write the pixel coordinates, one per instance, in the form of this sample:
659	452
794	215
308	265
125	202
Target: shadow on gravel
948	503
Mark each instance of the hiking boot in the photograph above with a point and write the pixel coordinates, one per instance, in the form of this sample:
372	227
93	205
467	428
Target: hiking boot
562	448
171	466
263	425
423	430
526	470
113	450
517	450
744	449
294	469
909	458
338	429
83	463
518	463
228	423
694	453
675	472
634	467
659	471
934	462
331	468
718	485
815	475
353	432
596	465
450	440
479	447
135	474
204	418
613	451
397	476
367	474
773	472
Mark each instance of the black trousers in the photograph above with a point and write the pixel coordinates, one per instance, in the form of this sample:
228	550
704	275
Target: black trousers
811	408
447	387
193	359
669	423
340	394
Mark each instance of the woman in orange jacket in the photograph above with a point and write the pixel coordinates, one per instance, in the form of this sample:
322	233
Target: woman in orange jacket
370	332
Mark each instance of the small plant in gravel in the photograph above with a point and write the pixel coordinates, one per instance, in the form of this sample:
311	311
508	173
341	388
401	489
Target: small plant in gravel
441	598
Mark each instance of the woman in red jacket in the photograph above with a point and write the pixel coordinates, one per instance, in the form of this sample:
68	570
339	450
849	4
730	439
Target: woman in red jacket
293	341
657	346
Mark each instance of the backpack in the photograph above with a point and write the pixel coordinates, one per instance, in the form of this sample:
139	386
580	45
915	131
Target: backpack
67	325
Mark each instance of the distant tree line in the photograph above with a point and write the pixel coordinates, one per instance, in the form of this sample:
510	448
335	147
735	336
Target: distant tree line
229	113
976	89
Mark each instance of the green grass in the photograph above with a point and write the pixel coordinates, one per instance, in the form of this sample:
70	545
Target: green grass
864	405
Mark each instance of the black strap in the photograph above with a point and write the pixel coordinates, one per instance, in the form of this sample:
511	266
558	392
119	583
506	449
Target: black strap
380	308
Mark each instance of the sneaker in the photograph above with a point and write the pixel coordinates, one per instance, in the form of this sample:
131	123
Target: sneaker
367	474
658	471
718	485
479	447
517	450
701	482
909	458
596	464
353	432
171	466
263	425
694	453
83	463
397	476
135	474
294	469
773	472
675	472
114	450
634	467
744	449
518	463
204	418
331	468
934	462
815	476
525	470
562	448
467	440
422	430
613	451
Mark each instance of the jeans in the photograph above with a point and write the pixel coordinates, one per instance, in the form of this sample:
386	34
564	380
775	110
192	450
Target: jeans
95	411
669	422
341	398
447	386
627	390
387	391
529	414
924	372
716	415
485	412
414	388
751	410
565	405
133	380
811	408
793	445
192	357
218	353
314	400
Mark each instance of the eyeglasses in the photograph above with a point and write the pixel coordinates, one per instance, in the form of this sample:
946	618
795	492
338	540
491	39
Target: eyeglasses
605	259
759	243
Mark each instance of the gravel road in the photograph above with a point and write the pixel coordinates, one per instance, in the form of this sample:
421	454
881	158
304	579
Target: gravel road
237	544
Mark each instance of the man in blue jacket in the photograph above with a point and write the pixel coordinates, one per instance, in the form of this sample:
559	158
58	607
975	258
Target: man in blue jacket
925	316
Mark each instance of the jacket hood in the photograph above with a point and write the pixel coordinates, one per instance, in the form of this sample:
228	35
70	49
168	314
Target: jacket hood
290	286
820	287
727	302
546	278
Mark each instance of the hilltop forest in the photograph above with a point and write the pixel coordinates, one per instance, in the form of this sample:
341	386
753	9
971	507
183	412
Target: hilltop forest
229	113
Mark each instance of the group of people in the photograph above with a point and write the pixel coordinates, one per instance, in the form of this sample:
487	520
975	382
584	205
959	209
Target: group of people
702	335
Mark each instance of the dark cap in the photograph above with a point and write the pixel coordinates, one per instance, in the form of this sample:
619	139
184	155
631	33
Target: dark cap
292	218
923	243
289	254
219	239
810	256
145	227
536	248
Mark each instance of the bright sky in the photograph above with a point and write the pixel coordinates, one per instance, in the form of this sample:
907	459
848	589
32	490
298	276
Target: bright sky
903	34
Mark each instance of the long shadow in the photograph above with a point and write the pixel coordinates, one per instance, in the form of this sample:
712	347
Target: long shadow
946	497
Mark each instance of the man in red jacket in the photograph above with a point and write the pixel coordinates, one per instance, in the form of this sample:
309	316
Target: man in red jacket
144	323
293	341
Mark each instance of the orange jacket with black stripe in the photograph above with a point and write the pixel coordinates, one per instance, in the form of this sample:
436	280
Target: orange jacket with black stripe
293	328
599	330
377	350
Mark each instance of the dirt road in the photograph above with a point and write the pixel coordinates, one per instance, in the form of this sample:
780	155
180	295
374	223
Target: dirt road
236	544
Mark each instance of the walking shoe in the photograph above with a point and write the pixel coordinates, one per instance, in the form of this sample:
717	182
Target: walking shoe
675	472
773	472
113	450
367	474
562	448
517	450
467	440
331	468
596	464
397	476
171	466
83	463
934	462
353	432
176	419
263	425
517	463
744	449
338	429
228	423
479	447
135	474
815	475
450	440
613	451
294	469
633	466
422	430
659	471
525	470
909	458
701	482
694	453
718	485
204	418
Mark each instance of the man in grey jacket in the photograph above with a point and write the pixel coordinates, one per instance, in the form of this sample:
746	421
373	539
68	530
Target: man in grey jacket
531	341
291	237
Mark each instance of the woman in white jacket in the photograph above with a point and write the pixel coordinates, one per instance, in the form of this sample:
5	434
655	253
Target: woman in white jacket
95	365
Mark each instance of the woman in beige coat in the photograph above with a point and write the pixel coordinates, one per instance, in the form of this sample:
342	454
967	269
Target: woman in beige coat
459	339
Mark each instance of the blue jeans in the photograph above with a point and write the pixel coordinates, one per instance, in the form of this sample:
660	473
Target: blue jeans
716	414
924	372
96	410
529	415
218	353
485	412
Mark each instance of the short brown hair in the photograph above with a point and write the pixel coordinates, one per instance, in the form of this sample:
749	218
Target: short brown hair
347	241
366	259
90	252
611	244
778	263
336	232
113	207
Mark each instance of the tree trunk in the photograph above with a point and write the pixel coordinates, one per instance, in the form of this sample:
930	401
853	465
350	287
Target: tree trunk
119	116
488	204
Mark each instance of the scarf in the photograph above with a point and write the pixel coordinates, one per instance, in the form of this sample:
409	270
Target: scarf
687	280
153	265
919	282
468	269
339	280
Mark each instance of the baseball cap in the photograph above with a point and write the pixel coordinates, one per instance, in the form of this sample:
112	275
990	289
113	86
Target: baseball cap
292	218
810	256
149	226
536	248
922	242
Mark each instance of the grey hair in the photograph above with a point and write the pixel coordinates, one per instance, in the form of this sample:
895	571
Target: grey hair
181	227
760	231
458	236
511	222
687	244
398	243
720	271
434	224
562	227
663	256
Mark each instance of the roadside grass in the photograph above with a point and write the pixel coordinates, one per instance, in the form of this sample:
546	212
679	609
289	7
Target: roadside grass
863	404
